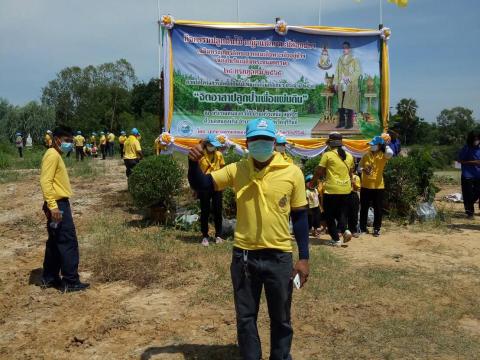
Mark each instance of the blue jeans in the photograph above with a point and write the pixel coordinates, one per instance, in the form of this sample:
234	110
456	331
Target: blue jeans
61	250
272	270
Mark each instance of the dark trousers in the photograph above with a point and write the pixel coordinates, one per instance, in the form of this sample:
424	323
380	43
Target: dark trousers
130	164
470	193
79	152
352	212
121	151
345	118
335	207
103	149
20	151
211	201
61	251
374	198
110	148
314	217
272	270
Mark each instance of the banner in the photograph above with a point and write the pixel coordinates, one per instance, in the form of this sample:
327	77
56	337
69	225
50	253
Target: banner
309	80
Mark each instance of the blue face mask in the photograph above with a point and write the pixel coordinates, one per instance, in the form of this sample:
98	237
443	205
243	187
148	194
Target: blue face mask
66	147
261	150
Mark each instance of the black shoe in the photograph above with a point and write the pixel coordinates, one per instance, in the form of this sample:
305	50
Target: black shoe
75	287
56	284
349	126
339	126
376	233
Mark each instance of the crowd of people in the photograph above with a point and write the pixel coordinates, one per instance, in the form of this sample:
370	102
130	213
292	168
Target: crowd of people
339	193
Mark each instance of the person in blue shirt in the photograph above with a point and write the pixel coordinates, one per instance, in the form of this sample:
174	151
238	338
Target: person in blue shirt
394	144
469	157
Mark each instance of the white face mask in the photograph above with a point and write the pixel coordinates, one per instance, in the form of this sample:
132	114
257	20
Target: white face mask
373	148
280	148
211	148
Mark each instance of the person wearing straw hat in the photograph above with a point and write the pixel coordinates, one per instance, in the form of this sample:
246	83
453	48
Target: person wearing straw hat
336	166
268	191
211	160
372	166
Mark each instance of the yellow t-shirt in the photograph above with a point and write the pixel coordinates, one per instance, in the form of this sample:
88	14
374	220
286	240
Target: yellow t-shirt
211	162
338	179
79	140
48	140
121	139
356	182
377	162
131	147
264	200
93	139
54	179
111	137
103	140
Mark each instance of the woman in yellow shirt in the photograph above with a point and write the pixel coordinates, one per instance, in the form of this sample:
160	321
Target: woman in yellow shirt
372	166
211	160
121	142
336	166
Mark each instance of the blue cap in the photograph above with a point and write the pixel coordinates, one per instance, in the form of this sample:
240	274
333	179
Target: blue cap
377	140
79	132
309	177
94	133
212	139
281	139
102	133
261	127
122	132
135	131
18	134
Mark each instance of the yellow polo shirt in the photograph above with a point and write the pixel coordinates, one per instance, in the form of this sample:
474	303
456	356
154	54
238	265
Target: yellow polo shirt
337	180
211	162
131	147
121	139
377	162
54	179
356	183
79	140
264	200
103	140
93	139
111	137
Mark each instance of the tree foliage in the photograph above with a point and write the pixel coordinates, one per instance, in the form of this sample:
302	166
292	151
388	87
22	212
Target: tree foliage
454	125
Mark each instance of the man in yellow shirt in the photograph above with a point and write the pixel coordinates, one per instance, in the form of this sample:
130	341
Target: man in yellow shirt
211	160
132	151
281	147
336	166
93	139
103	145
61	253
48	139
372	166
268	191
79	142
121	142
111	144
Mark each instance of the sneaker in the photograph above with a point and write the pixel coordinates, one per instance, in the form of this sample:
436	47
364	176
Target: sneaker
67	288
56	284
347	236
337	243
218	240
205	241
376	233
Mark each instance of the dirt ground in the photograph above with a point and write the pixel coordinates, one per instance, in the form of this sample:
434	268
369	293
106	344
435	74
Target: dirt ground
116	320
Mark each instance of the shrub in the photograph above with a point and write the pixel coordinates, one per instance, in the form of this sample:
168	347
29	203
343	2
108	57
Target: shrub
156	180
408	180
311	164
231	156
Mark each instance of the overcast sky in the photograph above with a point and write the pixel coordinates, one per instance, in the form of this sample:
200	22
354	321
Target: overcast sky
434	50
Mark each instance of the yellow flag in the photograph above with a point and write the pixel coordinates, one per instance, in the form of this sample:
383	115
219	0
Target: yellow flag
399	3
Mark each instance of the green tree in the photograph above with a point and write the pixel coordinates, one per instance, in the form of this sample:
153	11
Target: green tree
454	125
146	98
406	121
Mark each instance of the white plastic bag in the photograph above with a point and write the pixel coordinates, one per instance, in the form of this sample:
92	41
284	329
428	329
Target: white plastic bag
426	211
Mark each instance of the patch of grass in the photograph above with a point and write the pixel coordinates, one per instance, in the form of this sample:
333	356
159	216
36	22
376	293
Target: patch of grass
7	176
